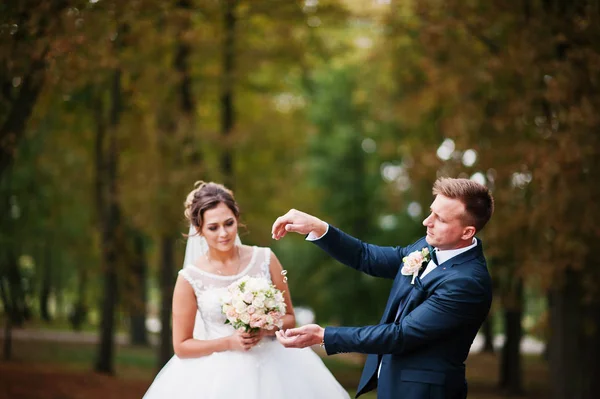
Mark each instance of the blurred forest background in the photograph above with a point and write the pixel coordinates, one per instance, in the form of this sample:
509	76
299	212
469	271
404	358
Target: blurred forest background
111	110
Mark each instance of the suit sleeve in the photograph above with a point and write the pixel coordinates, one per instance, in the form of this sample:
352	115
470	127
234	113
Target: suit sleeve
453	306
370	259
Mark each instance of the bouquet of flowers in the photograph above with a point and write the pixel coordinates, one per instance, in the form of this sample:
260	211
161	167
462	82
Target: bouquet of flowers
252	303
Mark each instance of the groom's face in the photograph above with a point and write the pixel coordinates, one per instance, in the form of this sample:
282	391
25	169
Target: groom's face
445	223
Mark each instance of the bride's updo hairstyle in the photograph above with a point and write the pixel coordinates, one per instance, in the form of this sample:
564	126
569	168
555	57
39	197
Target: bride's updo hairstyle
207	196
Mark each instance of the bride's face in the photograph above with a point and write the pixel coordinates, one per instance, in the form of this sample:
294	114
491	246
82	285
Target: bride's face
220	227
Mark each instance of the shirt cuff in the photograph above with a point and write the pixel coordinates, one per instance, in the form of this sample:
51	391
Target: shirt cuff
313	237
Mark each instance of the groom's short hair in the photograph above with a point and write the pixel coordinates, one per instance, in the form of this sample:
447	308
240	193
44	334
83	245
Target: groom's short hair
477	198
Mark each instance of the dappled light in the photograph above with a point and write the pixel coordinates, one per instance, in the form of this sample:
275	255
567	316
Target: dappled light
469	157
446	149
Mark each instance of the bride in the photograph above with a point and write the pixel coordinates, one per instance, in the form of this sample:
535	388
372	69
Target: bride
212	360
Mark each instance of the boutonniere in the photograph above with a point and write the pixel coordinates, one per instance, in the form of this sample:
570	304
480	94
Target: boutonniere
413	263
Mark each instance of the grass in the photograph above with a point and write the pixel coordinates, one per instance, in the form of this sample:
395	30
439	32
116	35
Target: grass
60	324
63	370
131	362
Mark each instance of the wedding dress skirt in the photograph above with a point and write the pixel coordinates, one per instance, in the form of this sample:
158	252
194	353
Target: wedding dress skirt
267	371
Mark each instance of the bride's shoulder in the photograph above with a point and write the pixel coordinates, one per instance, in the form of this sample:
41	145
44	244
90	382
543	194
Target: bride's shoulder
263	253
257	255
270	258
190	271
192	275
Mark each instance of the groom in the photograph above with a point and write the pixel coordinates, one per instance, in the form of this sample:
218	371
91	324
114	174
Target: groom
440	297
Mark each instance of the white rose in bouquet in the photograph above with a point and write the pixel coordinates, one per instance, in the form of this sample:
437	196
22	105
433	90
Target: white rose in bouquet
252	303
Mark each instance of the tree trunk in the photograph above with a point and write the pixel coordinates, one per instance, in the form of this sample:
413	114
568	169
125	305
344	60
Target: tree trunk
78	315
182	66
138	293
573	349
227	84
16	293
8	310
167	242
488	335
181	62
511	367
14	125
5	286
13	293
166	288
46	283
7	346
18	108
105	355
590	359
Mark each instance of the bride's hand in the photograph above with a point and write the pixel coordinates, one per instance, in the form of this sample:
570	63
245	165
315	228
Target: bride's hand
243	341
260	334
265	333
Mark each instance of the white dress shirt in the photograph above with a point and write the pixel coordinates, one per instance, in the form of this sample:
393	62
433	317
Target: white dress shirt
313	237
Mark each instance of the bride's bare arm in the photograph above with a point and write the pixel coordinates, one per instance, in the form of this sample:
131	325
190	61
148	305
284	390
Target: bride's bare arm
184	318
289	320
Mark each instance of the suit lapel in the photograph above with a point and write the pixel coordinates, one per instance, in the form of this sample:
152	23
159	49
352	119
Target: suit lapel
400	290
405	293
402	287
413	299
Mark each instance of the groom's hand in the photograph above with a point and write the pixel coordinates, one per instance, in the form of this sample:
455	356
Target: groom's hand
298	222
301	337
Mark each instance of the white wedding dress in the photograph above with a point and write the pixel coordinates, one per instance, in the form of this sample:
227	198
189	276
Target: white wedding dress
267	371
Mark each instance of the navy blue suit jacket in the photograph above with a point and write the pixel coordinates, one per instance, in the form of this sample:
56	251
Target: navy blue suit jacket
422	352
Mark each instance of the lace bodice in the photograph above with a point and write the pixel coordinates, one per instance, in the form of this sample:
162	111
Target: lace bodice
209	288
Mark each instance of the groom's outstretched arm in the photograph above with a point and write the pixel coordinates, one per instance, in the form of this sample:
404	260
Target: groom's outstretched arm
367	258
460	304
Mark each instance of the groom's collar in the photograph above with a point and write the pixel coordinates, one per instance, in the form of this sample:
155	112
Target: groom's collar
449	254
460	255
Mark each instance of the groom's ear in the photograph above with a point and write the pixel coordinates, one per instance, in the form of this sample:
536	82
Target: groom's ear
468	233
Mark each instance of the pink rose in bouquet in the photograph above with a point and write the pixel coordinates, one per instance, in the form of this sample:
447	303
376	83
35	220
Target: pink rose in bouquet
252	303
